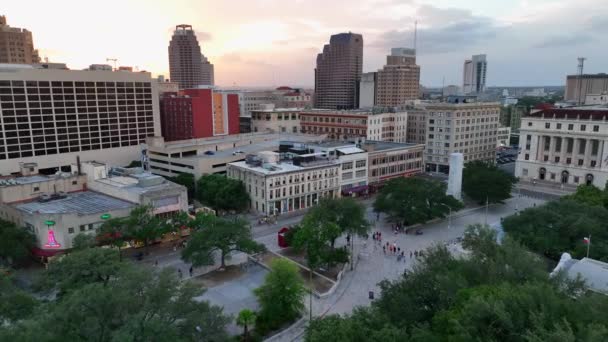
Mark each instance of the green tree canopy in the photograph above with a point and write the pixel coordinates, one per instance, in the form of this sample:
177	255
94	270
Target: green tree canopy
15	303
560	226
281	297
414	200
246	319
481	181
187	180
222	193
137	305
590	195
495	293
213	235
142	225
15	243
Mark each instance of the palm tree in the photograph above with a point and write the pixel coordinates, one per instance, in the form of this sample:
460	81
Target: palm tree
245	319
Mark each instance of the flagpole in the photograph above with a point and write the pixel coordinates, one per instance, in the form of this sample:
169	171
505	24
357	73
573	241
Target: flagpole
588	245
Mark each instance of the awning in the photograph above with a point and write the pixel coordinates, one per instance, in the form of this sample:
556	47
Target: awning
355	190
39	252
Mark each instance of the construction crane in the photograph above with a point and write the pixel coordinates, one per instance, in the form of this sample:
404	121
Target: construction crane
112	60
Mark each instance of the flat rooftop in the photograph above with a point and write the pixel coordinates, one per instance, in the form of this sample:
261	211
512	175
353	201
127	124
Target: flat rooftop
80	203
386	145
11	181
233	138
360	111
268	145
283	167
594	272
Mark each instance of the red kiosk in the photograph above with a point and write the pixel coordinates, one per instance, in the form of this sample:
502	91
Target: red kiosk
281	237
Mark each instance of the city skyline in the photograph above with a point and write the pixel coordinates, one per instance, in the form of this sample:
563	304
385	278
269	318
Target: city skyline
271	43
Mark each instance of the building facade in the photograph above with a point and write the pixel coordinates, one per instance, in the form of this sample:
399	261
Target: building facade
474	75
503	136
57	208
210	155
374	124
199	113
388	160
274	120
399	81
187	66
16	45
338	72
367	90
577	87
278	186
467	128
510	116
416	126
567	146
52	116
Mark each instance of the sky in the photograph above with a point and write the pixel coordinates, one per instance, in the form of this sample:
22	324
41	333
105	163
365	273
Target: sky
275	42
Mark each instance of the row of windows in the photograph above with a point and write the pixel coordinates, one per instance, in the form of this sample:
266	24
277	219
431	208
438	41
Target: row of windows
582	127
6	83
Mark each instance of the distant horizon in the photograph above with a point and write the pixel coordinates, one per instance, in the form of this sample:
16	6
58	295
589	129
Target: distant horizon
260	42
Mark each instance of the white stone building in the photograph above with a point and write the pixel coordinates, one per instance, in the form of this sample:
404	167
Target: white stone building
278	186
269	119
565	145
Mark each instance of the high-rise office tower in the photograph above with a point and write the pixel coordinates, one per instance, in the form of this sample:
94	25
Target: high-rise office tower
399	80
16	45
338	72
187	66
474	75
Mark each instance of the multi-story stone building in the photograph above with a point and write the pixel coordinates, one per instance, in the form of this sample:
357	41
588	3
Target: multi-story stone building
467	128
277	186
187	66
375	124
503	136
52	116
16	45
388	160
399	81
567	146
368	89
272	120
510	116
416	125
338	72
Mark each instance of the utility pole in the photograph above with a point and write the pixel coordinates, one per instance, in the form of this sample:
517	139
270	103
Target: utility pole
588	245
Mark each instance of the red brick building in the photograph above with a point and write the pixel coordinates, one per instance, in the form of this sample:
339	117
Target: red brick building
198	113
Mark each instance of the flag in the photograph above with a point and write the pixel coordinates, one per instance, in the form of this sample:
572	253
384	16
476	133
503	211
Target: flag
587	240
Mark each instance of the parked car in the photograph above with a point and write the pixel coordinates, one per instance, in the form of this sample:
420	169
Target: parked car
209	153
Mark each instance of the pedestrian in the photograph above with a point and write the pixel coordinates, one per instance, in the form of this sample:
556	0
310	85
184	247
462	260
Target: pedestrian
410	254
416	254
156	262
398	249
384	249
377	216
191	271
179	273
174	247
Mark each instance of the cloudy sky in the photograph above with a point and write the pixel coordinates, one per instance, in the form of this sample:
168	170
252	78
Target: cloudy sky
275	42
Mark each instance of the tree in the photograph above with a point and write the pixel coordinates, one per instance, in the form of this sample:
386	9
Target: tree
138	305
144	226
87	266
590	195
281	297
187	180
114	232
499	292
560	226
213	235
412	200
134	163
483	181
15	243
83	241
222	193
245	319
15	304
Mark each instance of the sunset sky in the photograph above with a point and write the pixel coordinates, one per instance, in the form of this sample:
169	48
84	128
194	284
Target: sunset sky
271	42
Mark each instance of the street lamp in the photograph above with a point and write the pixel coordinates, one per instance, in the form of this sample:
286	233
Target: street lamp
449	215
